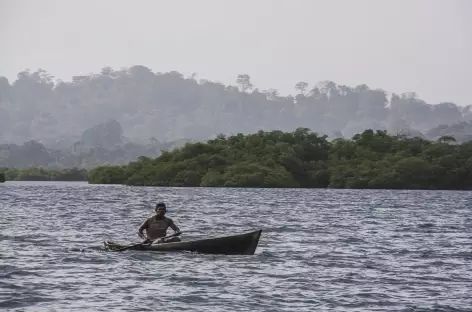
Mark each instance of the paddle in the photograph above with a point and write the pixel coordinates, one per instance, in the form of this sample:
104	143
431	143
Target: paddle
148	242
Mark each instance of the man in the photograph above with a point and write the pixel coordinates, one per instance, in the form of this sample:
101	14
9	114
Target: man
156	226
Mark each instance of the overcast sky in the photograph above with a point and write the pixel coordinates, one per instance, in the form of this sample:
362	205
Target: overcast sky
399	46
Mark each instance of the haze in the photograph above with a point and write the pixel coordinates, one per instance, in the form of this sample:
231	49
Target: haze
399	46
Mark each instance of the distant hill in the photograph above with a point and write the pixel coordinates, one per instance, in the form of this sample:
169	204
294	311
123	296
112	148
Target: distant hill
102	144
461	132
169	106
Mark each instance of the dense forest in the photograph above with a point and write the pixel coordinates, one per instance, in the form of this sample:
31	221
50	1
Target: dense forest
42	174
302	158
168	106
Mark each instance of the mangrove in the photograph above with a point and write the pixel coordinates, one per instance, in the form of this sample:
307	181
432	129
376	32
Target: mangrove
43	174
302	159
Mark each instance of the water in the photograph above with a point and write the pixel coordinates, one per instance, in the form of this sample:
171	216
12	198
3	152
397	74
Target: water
320	250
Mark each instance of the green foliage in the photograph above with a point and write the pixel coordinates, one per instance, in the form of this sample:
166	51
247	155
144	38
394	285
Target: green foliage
42	174
107	175
2	177
371	159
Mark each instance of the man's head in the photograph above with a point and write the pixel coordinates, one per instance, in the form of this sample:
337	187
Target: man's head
161	209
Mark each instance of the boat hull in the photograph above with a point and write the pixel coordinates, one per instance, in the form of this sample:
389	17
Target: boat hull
241	244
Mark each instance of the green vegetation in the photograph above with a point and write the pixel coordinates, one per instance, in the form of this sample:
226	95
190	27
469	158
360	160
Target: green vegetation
42	174
2	177
372	159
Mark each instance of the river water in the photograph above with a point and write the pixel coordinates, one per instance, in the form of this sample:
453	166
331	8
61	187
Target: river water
320	250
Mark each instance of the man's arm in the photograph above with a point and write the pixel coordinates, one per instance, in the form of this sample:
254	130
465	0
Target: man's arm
173	226
142	228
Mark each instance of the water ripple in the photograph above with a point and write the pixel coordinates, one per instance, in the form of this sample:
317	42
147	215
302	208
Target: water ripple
321	250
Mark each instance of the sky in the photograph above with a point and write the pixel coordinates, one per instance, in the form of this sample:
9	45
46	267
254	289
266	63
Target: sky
422	46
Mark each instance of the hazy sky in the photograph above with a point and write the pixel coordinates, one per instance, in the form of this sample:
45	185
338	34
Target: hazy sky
399	46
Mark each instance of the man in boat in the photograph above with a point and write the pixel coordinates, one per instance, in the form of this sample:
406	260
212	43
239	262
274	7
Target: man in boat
156	226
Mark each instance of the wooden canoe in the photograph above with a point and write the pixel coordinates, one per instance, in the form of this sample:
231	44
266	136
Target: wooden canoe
240	244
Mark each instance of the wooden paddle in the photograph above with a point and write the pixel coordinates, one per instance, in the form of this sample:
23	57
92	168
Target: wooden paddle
148	242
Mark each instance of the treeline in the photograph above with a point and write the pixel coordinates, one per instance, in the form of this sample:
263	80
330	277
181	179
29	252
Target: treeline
42	174
302	158
36	154
169	106
99	145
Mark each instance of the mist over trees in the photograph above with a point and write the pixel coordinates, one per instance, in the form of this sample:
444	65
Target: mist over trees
102	144
144	105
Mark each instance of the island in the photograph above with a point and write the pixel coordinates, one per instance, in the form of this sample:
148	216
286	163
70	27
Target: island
302	159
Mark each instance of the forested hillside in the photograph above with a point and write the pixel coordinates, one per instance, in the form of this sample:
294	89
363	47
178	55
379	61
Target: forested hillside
169	106
99	145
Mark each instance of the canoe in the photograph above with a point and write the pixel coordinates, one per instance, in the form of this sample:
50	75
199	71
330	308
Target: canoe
240	244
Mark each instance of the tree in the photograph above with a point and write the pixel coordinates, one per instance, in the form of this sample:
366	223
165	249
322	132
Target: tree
244	82
271	94
446	139
301	87
106	134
